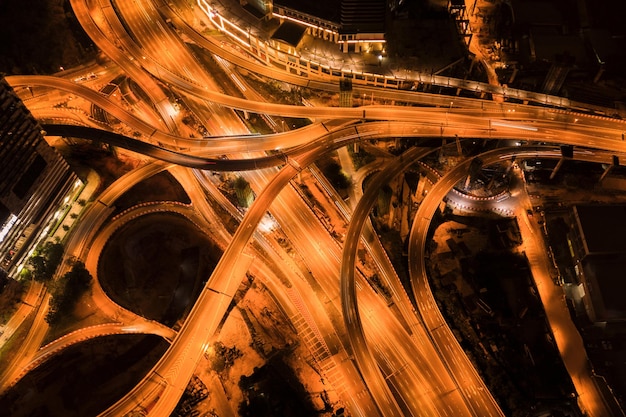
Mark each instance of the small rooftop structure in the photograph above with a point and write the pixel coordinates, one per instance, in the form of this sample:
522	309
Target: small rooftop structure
289	33
324	9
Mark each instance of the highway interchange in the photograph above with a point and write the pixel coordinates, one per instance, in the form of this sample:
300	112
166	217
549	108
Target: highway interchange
408	366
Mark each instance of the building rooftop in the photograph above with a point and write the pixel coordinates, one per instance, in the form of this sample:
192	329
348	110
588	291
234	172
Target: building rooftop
556	47
290	33
325	9
607	14
607	286
536	13
363	16
603	228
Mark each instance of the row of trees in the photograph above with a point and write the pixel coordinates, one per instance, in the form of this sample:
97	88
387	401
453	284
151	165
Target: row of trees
67	290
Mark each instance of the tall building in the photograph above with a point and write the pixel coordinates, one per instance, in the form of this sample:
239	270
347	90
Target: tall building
35	180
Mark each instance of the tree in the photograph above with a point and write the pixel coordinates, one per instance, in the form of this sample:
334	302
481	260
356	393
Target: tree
46	260
53	253
336	176
67	291
384	200
79	277
38	263
245	196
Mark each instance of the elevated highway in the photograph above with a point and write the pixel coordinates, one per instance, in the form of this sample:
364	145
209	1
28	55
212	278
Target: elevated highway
336	127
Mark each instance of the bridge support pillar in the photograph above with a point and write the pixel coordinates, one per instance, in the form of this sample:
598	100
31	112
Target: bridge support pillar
608	168
556	168
605	173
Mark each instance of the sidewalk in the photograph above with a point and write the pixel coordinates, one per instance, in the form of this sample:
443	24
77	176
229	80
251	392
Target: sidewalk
86	193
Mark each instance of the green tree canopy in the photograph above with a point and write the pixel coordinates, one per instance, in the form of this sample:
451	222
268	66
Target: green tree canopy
67	291
245	196
46	260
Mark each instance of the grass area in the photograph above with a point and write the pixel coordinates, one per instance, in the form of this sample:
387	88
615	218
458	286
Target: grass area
360	158
10	298
85	314
155	266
